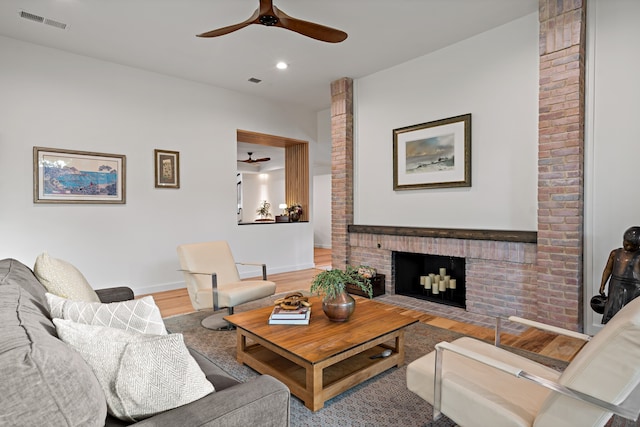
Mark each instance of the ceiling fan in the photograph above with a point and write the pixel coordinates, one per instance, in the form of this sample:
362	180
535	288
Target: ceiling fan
250	160
269	15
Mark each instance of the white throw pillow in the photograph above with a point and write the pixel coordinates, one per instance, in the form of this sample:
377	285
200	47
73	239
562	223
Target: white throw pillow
141	375
140	315
63	279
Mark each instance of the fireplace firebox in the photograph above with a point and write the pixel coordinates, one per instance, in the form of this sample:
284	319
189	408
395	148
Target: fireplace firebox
419	276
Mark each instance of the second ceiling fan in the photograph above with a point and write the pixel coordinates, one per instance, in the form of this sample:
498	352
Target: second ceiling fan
269	15
250	160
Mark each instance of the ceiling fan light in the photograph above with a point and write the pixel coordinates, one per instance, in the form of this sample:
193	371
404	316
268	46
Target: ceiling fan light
282	65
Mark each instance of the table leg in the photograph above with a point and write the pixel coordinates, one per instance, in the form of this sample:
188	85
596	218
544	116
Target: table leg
400	348
241	345
314	386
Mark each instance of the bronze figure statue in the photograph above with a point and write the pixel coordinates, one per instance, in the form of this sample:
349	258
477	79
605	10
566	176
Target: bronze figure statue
623	272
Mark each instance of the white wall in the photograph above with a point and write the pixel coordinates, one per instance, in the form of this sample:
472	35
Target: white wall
54	99
322	211
493	76
612	146
322	182
257	187
322	153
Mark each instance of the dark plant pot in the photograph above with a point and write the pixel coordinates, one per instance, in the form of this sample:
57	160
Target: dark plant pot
294	217
340	308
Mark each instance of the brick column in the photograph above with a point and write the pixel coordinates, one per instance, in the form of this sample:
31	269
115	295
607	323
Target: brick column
561	162
341	169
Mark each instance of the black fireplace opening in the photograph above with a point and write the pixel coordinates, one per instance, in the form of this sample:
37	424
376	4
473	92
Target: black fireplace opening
415	275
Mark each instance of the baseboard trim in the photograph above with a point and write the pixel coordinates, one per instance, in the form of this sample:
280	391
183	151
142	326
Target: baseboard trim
162	287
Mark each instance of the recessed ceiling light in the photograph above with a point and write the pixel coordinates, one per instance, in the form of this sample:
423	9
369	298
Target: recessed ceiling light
281	65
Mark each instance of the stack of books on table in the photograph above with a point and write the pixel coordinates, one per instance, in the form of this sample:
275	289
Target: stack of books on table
299	316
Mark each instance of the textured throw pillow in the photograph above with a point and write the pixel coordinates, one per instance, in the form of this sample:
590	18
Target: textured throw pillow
141	375
140	315
63	279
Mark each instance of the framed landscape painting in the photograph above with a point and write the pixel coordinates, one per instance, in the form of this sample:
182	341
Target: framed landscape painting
433	155
167	169
69	176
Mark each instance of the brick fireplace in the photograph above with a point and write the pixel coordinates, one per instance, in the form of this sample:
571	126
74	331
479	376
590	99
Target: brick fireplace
539	278
500	266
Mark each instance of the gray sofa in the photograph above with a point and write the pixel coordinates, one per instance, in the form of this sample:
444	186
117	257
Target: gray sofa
44	382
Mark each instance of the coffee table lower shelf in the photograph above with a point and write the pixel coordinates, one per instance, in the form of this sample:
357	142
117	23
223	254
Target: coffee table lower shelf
315	383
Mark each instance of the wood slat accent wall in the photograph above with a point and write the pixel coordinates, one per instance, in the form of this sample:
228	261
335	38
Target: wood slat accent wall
296	184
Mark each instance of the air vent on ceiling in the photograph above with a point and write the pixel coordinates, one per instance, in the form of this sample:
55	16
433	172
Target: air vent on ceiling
31	16
56	24
254	80
41	19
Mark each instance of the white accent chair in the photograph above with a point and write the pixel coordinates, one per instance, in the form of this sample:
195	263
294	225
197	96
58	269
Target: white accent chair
212	280
475	383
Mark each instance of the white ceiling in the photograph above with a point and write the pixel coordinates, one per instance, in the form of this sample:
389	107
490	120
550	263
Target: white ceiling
159	36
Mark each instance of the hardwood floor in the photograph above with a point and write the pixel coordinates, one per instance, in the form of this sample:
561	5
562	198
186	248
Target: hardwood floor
322	257
177	302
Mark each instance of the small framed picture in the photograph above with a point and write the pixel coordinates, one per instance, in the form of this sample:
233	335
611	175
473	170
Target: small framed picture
167	169
433	155
70	176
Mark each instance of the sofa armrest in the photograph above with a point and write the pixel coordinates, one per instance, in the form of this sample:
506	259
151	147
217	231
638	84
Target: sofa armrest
120	293
261	402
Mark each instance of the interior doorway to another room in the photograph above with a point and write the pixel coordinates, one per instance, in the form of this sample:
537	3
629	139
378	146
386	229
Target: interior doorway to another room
294	172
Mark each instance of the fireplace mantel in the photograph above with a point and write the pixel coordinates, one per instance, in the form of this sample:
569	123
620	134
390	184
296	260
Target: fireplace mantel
448	233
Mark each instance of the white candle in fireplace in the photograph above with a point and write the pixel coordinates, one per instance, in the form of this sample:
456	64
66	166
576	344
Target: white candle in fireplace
433	277
452	283
422	280
434	288
447	280
443	272
437	278
442	286
427	282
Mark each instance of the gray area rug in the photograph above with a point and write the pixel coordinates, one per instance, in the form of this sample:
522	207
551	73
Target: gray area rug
384	400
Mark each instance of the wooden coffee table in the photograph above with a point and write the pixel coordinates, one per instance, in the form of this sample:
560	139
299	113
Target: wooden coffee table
323	359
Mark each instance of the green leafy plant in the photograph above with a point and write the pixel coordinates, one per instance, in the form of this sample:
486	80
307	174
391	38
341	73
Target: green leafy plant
333	282
263	211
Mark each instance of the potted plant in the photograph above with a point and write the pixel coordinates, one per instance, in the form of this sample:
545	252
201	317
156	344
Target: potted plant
263	211
337	304
295	211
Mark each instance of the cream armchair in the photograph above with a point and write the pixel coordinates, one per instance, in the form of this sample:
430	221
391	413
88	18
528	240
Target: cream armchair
212	280
475	383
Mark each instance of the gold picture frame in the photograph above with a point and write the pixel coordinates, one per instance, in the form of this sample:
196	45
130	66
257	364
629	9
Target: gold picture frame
167	168
433	155
71	176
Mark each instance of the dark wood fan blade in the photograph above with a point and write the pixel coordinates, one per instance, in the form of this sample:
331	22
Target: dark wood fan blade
264	159
231	28
309	29
269	15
